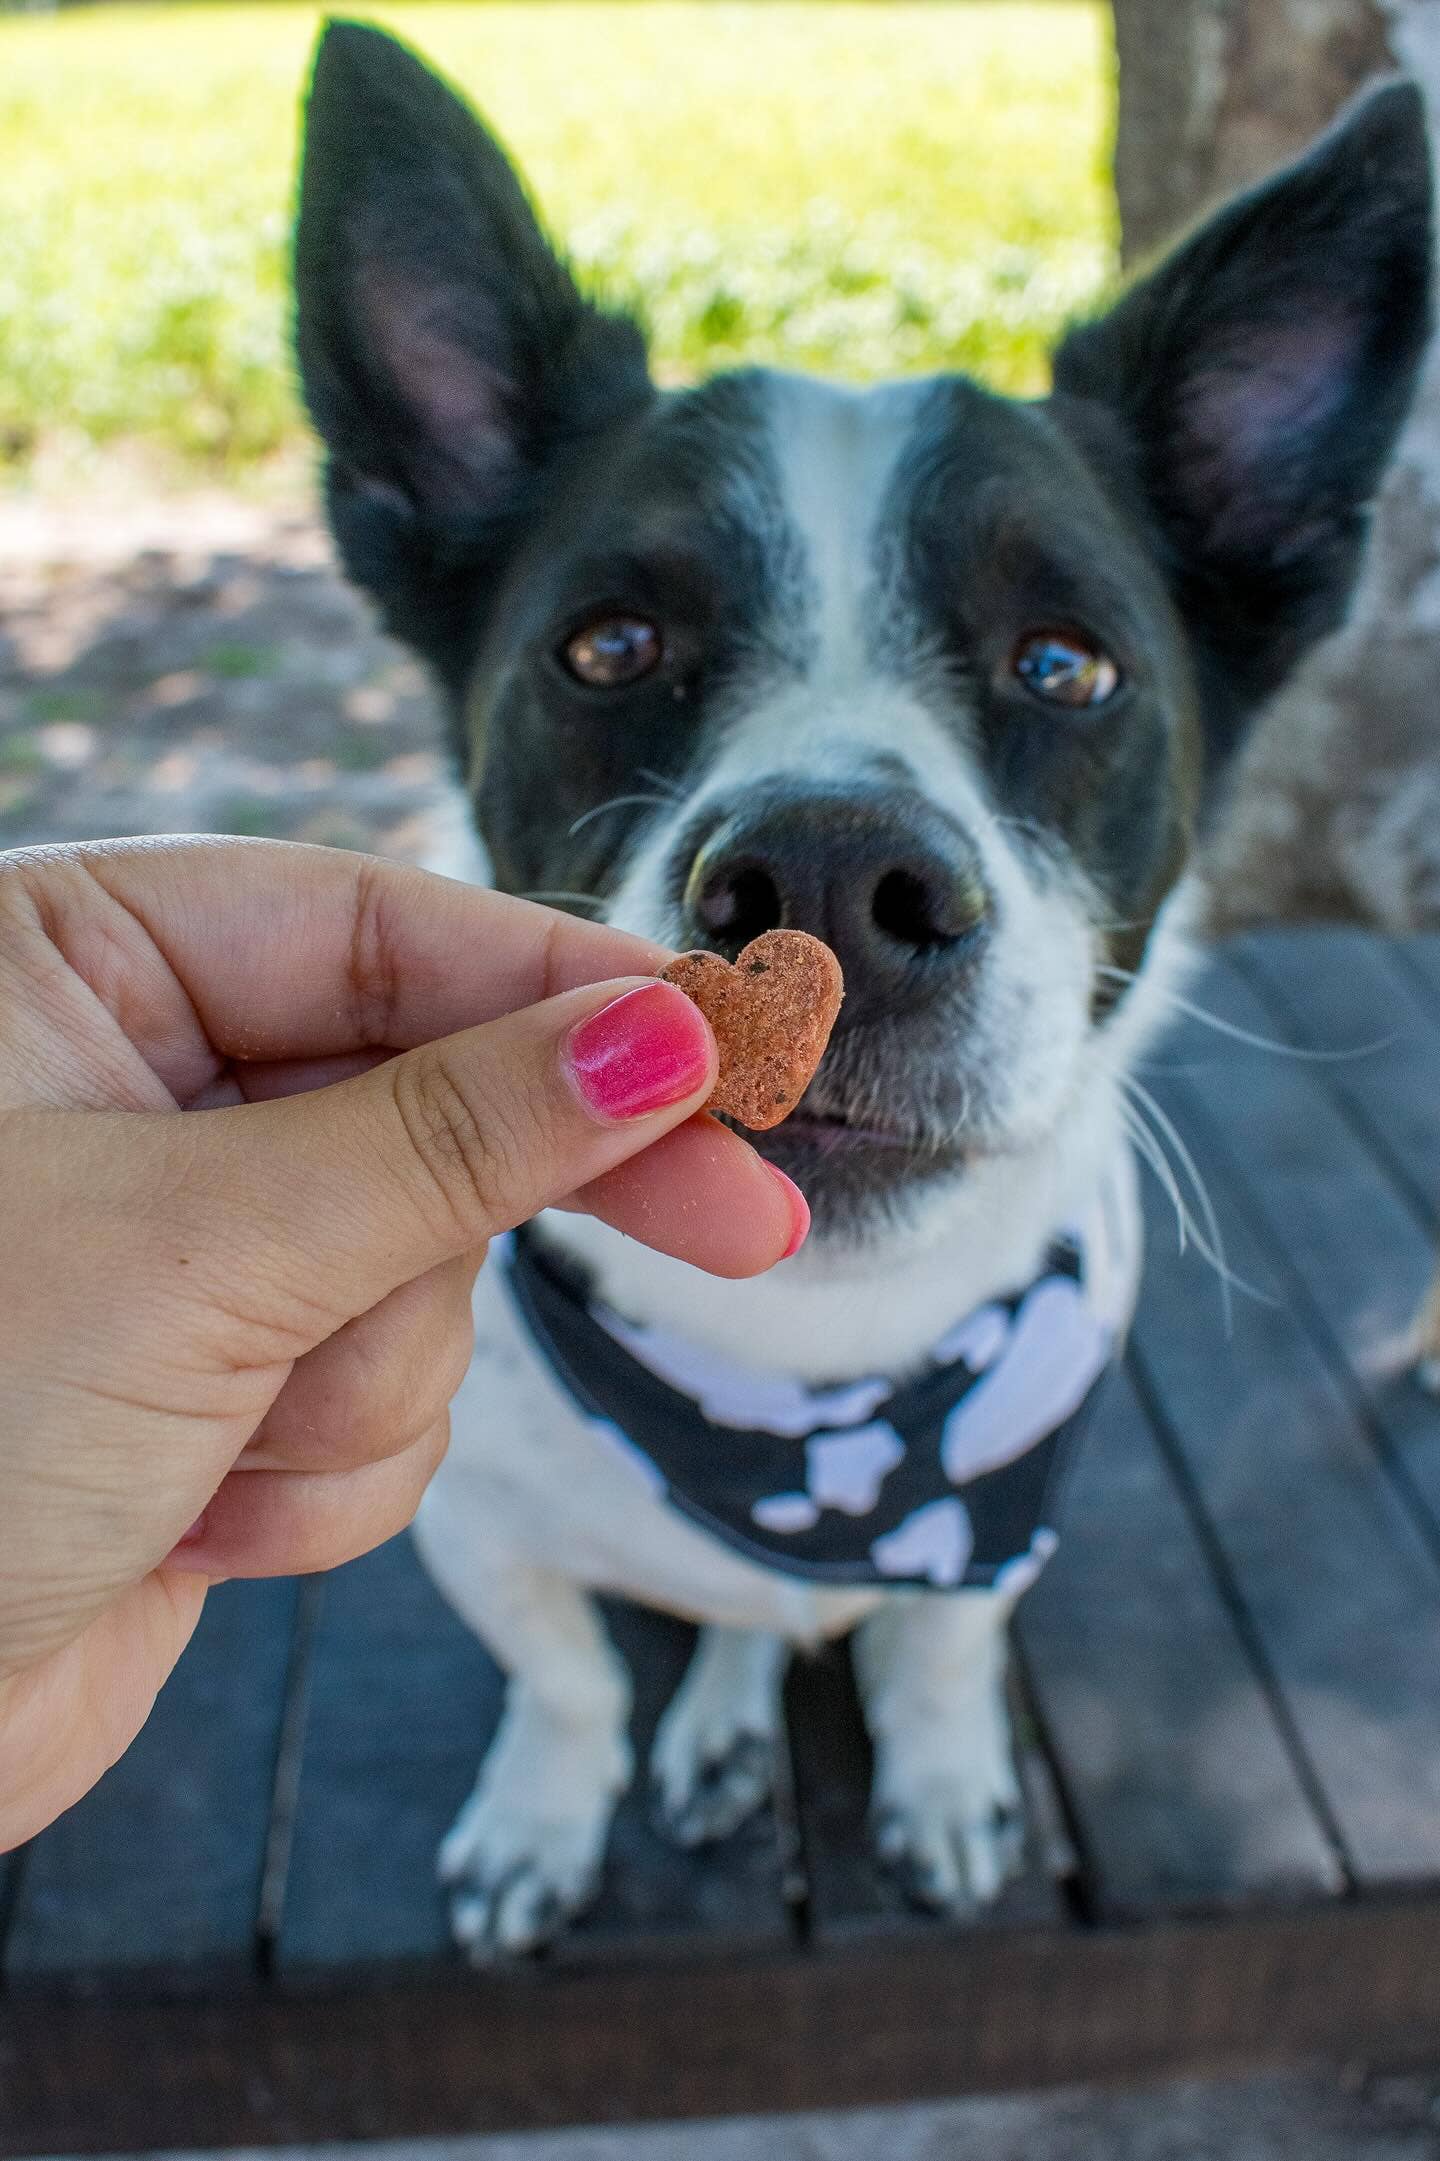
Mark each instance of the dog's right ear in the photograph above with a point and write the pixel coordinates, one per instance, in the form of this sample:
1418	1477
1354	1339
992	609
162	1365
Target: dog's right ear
1257	379
444	351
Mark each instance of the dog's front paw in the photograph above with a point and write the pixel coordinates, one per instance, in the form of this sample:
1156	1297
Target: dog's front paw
950	1824
525	1854
703	1793
713	1762
516	1880
947	1857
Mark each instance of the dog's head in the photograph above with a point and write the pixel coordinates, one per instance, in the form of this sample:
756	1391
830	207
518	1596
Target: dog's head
942	677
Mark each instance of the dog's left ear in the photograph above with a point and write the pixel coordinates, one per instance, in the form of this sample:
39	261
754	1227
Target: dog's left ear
444	350
1259	377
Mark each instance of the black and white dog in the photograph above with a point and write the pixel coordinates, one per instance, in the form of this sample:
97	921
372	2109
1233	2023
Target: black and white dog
942	677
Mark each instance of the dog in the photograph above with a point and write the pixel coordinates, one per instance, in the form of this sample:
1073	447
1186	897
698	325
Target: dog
945	678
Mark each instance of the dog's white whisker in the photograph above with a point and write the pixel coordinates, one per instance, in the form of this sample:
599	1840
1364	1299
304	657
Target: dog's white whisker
671	789
616	802
555	896
1244	1035
1212	1246
1147	1146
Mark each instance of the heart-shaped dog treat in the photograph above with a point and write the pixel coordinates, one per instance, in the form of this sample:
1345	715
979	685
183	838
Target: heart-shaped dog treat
772	1013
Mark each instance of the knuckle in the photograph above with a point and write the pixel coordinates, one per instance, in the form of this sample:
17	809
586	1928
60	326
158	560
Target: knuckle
473	1158
374	1407
433	1448
388	1424
375	1396
371	966
455	1364
404	1486
364	1428
411	1385
343	1426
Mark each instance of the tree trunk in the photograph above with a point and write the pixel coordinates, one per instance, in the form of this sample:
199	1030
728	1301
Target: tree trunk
1335	809
1213	93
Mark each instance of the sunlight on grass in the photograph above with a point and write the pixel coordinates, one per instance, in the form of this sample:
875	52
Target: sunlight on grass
854	189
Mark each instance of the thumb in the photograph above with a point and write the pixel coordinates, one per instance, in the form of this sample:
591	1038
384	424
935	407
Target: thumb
336	1197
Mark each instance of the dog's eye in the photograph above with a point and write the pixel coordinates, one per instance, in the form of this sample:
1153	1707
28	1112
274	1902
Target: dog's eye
616	650
1060	667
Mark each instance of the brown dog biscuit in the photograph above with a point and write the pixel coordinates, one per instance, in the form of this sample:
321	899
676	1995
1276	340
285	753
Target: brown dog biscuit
772	1013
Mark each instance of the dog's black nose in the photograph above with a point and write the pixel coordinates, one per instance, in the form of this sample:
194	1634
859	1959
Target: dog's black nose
890	883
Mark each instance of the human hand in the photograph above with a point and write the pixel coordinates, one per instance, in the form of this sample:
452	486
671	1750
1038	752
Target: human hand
249	1169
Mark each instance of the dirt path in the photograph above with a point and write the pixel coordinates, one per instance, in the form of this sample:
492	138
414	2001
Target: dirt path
199	666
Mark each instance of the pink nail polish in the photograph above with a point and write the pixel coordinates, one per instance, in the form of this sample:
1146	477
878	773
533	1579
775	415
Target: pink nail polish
647	1050
799	1211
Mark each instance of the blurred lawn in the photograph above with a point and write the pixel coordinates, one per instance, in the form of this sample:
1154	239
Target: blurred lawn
856	189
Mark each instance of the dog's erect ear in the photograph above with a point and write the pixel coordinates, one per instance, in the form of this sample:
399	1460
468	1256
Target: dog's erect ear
1260	375
444	350
441	342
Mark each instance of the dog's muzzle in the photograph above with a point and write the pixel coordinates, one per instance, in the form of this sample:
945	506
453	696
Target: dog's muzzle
891	884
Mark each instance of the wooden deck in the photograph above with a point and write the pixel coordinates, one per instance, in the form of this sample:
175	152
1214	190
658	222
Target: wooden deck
1231	1696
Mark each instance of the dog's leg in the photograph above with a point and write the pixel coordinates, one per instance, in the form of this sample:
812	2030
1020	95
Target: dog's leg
714	1755
945	1800
526	1850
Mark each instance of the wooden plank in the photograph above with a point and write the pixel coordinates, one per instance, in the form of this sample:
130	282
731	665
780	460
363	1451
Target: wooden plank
11	1865
655	1894
1421	957
284	1803
159	1867
1179	1784
403	1701
1362	1001
958	2012
1351	1147
1330	1573
848	1894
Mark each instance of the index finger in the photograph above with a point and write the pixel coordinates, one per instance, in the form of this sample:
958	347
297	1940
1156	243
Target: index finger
288	951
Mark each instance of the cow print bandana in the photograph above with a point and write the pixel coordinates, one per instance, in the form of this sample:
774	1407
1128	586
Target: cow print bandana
946	1478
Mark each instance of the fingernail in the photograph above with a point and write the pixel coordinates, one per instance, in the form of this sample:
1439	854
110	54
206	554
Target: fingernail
799	1211
647	1050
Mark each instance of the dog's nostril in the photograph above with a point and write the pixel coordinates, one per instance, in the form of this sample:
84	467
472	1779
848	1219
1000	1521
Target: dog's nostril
737	905
907	909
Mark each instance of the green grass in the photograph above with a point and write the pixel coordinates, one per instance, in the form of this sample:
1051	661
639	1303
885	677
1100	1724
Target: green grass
854	189
234	663
21	757
51	705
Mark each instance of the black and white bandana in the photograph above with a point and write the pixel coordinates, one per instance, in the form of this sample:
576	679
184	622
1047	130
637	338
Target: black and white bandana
946	1478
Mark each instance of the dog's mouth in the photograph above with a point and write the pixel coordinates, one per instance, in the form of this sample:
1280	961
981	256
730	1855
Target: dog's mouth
851	1163
829	1133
